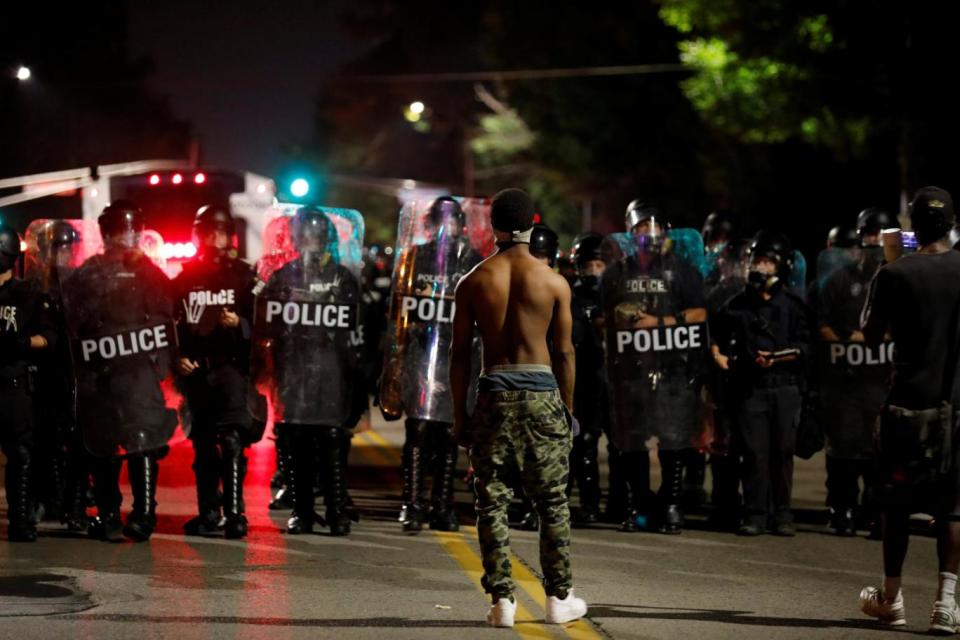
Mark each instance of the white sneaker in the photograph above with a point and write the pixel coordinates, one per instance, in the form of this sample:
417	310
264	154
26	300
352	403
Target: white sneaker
566	610
888	613
945	618
502	613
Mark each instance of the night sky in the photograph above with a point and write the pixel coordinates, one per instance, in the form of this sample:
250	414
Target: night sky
245	74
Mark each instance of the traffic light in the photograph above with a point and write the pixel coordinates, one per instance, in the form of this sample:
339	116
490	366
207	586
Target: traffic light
301	183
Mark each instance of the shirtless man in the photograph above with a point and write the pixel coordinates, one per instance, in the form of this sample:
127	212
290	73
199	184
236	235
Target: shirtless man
524	405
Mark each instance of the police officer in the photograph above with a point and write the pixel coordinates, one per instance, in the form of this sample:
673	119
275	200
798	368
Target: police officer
590	404
314	412
25	329
762	339
656	393
214	319
429	449
851	378
119	308
52	251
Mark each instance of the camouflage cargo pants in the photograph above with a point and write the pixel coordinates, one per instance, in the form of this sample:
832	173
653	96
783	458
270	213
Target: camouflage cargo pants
531	429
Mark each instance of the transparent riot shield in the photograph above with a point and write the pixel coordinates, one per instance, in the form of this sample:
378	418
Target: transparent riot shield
118	306
305	345
438	242
656	362
55	248
852	378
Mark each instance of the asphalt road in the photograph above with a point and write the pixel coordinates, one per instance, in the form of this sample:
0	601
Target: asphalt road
380	583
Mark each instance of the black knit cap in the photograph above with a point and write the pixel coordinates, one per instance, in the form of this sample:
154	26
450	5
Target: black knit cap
512	210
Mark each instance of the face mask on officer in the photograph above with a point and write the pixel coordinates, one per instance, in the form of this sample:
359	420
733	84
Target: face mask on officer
762	275
592	269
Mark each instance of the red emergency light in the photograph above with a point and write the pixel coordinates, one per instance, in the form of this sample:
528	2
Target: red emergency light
178	250
200	178
154	180
176	179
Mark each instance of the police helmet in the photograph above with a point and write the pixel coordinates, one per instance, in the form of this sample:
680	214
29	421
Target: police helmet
444	208
873	220
311	222
544	243
718	227
213	218
9	248
843	237
586	247
120	217
773	245
640	210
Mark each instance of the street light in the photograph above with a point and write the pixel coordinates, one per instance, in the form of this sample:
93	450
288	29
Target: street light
23	73
413	112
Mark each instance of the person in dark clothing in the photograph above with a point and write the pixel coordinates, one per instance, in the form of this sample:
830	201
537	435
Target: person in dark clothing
25	329
762	337
214	318
916	300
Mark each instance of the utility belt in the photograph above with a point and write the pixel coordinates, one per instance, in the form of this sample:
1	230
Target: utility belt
933	429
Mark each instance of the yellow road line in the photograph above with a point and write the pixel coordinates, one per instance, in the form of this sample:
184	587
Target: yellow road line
455	545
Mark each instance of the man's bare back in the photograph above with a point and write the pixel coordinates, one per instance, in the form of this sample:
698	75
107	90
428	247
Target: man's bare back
515	301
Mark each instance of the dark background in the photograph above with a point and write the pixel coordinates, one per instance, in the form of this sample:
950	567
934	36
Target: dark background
793	115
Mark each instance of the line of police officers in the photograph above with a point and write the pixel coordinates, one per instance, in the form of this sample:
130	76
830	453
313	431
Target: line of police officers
686	343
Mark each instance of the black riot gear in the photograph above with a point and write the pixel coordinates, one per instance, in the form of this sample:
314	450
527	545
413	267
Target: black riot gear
122	216
9	248
639	212
544	243
843	237
311	226
873	220
443	210
717	228
211	219
586	247
776	247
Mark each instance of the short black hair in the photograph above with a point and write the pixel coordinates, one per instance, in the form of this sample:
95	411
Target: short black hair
512	210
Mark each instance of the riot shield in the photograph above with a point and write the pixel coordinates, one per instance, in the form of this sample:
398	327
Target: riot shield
306	342
438	242
51	254
852	377
656	368
118	306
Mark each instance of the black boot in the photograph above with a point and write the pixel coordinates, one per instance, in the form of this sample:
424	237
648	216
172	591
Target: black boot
76	481
842	521
206	463
283	496
411	513
588	480
616	510
142	520
443	516
303	457
671	491
335	485
19	501
235	526
106	490
635	466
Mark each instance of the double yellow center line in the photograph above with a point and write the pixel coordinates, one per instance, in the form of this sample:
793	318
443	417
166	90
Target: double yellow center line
456	545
